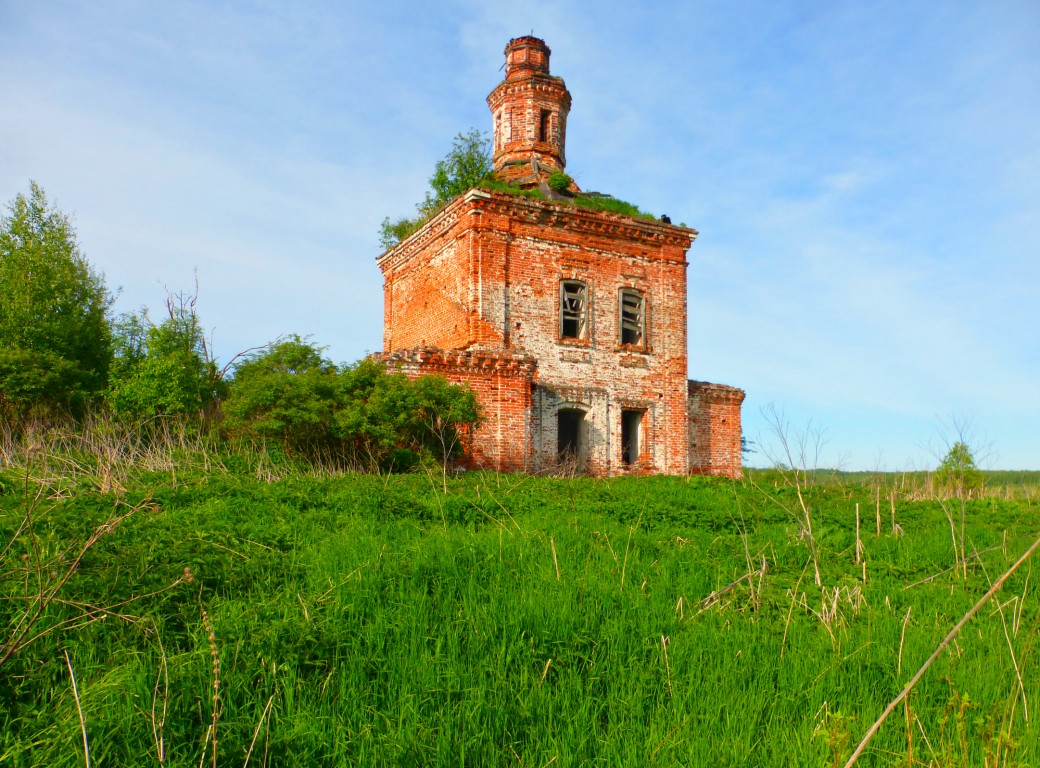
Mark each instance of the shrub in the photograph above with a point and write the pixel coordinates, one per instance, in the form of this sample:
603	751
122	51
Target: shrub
164	369
559	182
360	413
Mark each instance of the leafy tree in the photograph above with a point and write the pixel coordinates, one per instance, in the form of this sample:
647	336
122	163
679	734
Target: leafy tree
464	167
285	393
55	338
957	473
165	369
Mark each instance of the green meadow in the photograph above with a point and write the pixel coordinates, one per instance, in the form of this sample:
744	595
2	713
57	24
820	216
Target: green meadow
221	610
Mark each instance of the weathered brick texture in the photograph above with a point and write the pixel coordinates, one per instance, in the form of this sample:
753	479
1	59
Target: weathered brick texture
529	111
714	426
481	294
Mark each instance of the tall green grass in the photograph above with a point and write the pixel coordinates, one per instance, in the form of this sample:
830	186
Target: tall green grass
365	620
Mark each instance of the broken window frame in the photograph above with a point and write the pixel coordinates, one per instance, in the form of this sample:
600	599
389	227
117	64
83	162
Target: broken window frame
631	318
574	310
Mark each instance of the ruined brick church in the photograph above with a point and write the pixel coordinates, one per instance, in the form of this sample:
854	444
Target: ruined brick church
569	324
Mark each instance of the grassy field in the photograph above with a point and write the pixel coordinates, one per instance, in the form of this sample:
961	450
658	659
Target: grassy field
219	619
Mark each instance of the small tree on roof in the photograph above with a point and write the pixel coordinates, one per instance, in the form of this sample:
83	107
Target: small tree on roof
464	167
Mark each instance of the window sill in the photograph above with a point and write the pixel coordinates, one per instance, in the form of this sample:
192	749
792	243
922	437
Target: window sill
570	342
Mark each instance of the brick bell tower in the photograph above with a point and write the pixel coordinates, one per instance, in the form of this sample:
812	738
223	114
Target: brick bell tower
529	112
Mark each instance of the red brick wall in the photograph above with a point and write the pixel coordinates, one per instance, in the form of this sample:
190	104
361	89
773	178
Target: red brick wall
714	429
485	274
432	291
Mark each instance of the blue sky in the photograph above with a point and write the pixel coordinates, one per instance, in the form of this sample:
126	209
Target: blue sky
865	178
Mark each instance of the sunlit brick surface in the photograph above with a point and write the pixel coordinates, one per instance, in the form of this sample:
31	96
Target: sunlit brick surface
475	295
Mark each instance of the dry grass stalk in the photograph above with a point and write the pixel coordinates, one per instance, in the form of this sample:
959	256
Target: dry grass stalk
877	507
159	723
946	641
624	565
667	736
859	542
749	577
957	566
920	727
897	529
1016	616
1014	661
831	613
902	639
667	666
79	710
256	732
909	734
556	563
40	569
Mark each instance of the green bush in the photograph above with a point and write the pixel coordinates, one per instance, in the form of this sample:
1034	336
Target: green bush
164	369
559	182
360	413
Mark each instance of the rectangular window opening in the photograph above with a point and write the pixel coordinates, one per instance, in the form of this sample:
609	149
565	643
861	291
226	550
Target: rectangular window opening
574	310
543	125
631	437
633	317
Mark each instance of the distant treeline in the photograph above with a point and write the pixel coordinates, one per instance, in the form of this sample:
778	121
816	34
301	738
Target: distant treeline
920	483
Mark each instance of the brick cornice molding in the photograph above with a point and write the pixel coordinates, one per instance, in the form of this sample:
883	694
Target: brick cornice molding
578	220
499	362
614	226
437	226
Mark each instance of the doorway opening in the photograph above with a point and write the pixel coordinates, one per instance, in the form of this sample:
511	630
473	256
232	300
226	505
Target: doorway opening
631	436
569	433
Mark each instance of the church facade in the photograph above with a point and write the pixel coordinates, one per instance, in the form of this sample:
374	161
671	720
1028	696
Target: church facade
568	323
